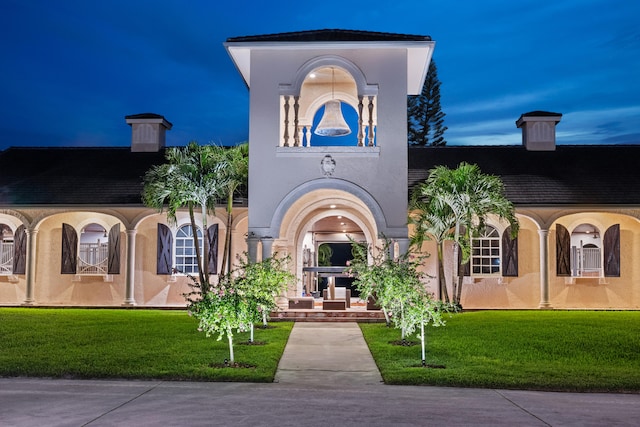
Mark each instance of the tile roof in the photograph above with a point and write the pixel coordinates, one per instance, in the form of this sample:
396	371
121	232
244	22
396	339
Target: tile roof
571	175
73	176
329	35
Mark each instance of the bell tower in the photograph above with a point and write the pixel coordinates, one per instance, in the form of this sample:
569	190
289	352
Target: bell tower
328	114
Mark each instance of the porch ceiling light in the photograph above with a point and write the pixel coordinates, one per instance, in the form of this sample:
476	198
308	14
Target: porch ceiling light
332	122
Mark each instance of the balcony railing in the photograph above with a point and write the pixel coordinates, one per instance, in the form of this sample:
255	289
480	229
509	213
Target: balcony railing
93	258
6	258
586	262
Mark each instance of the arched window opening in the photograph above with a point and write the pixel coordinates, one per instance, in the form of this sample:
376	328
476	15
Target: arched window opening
93	251
586	252
6	249
302	112
485	252
186	261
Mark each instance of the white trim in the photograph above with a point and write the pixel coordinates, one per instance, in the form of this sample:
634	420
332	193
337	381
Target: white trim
320	152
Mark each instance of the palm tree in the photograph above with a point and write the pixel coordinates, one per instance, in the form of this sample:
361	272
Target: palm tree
190	178
433	221
234	173
462	199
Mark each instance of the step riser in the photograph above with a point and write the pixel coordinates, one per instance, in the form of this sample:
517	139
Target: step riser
328	316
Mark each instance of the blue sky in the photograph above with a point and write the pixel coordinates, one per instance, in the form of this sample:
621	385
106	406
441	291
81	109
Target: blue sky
71	70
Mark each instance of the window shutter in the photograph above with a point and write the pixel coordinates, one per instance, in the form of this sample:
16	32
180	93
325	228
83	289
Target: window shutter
563	251
113	266
69	250
20	251
213	249
465	269
165	244
612	251
509	254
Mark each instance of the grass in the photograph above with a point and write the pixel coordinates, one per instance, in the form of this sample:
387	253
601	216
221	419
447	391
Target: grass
141	344
537	350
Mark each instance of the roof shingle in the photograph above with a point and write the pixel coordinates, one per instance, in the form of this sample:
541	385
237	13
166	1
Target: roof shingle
570	175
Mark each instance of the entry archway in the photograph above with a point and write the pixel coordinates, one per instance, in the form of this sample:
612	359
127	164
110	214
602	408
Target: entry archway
314	207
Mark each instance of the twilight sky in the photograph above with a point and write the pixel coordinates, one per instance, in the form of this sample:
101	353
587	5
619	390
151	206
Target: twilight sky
72	69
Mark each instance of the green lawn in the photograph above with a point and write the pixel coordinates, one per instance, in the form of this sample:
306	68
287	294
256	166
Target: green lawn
146	344
541	350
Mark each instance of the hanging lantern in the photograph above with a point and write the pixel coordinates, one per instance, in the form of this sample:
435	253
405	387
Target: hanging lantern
332	122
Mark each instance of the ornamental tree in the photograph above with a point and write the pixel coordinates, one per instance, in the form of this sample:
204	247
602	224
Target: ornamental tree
239	299
262	282
398	287
222	309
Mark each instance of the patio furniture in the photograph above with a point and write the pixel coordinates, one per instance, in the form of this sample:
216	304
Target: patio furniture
337	293
301	303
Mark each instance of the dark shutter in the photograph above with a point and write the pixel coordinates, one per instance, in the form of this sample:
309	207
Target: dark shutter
114	250
563	251
165	244
20	251
213	249
466	268
69	250
509	254
612	251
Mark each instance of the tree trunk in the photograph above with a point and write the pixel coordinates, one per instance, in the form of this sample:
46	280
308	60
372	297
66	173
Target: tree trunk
226	253
205	245
422	340
230	339
197	245
456	262
386	317
442	280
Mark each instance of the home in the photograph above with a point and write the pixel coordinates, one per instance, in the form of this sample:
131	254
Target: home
328	162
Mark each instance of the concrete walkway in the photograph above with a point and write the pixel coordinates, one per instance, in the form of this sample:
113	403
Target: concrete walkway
327	354
326	378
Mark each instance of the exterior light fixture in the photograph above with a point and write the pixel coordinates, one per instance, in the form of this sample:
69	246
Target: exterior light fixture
332	122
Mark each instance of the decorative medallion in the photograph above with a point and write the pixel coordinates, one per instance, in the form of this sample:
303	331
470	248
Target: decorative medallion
328	165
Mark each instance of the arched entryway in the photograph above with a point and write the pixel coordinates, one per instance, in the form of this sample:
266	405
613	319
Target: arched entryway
328	217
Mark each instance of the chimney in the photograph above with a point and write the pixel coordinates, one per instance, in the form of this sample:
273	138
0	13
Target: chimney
147	132
539	130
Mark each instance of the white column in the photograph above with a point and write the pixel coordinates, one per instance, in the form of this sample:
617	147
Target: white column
252	248
267	247
31	266
403	246
544	268
129	299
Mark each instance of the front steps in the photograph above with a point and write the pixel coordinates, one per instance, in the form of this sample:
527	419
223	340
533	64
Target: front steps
357	313
370	316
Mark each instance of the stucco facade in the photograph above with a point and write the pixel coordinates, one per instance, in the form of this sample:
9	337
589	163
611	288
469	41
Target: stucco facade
297	186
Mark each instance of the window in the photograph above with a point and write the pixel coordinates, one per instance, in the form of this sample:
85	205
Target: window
97	252
93	250
485	252
586	253
186	260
